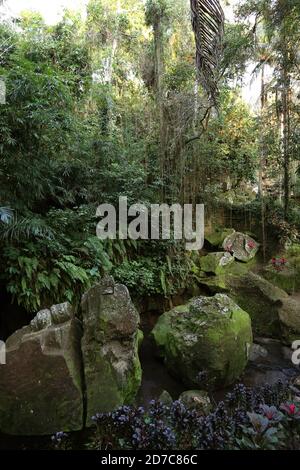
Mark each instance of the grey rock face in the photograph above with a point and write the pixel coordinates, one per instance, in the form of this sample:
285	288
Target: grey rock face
242	247
110	348
55	377
40	385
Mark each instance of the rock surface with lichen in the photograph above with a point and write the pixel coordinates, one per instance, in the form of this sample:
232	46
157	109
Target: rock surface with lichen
60	371
41	383
216	263
241	246
273	312
205	343
110	344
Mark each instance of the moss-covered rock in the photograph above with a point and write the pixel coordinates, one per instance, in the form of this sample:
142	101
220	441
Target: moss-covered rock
242	246
206	342
289	315
165	398
215	284
262	301
217	237
222	283
41	383
57	375
140	338
216	263
110	345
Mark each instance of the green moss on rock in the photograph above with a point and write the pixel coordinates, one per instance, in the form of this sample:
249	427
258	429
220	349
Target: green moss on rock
262	301
217	237
289	315
40	385
222	283
206	342
110	349
216	263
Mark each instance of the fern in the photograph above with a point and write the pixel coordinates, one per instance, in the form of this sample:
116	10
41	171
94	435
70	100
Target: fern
25	228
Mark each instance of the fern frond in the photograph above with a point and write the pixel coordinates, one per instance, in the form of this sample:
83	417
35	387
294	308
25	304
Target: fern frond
25	227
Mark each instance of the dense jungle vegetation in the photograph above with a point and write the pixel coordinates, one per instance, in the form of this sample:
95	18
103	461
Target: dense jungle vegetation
112	106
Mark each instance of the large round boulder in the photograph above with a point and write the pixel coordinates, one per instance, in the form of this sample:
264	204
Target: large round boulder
205	343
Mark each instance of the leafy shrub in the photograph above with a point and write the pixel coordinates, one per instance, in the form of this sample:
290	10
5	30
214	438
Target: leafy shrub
159	273
141	276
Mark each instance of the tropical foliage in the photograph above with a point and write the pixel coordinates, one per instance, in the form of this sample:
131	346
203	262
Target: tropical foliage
113	105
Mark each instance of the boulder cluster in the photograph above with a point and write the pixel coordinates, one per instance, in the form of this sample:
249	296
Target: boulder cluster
66	366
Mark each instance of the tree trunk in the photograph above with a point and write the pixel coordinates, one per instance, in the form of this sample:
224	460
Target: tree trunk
262	161
286	140
159	87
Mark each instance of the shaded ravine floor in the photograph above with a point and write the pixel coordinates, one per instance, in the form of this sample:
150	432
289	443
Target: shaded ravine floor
156	377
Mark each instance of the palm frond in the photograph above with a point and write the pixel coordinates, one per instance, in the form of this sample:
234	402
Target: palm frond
208	25
6	215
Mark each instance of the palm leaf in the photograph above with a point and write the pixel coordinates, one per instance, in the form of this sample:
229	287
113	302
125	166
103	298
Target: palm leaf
6	215
208	25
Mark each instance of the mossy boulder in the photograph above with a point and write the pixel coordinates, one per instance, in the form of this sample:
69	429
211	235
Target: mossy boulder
41	383
165	398
222	283
262	300
241	246
58	375
288	279
217	237
215	284
289	315
206	342
110	348
216	263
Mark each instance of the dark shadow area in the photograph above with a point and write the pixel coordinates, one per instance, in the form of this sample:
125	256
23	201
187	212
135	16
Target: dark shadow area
156	377
12	316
